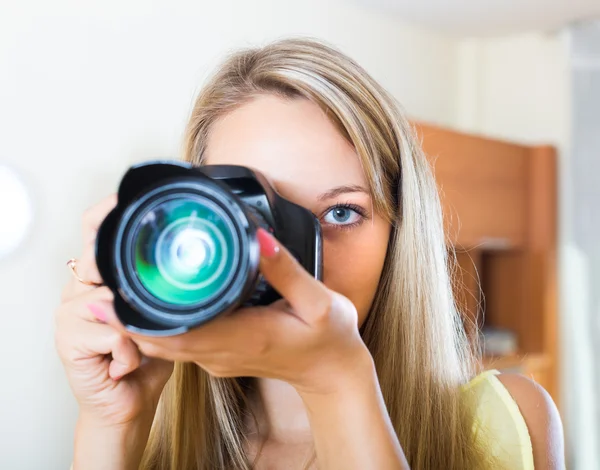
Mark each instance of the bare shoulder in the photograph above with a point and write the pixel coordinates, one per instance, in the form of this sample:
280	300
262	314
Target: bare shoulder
542	419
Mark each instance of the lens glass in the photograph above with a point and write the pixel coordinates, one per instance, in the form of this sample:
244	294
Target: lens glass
184	250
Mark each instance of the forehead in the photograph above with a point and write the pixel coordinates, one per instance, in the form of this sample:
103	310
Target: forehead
291	141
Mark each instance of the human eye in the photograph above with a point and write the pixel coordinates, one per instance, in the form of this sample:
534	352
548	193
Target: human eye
344	216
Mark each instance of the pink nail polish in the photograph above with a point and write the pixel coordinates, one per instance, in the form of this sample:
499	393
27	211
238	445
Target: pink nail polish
268	245
97	312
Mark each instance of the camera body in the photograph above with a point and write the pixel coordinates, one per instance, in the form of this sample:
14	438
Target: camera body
180	247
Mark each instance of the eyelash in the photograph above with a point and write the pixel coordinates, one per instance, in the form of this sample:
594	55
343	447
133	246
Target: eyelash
359	210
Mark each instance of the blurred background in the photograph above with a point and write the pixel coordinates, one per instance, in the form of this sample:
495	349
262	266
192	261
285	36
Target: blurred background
505	96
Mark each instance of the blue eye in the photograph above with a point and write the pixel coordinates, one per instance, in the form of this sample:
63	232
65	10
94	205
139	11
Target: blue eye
341	215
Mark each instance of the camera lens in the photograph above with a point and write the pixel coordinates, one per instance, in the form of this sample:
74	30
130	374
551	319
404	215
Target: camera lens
183	253
183	250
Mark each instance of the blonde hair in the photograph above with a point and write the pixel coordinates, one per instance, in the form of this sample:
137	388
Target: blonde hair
413	330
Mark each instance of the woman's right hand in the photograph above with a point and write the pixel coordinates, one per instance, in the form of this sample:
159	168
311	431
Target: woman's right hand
113	384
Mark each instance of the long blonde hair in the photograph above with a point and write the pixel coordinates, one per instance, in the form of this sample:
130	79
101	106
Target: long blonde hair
413	330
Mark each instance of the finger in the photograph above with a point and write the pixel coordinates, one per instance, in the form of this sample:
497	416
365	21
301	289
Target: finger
126	357
84	305
87	268
103	310
104	340
96	308
93	217
251	329
308	297
75	287
81	340
91	221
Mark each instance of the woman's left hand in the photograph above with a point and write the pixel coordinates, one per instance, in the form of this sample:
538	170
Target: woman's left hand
310	338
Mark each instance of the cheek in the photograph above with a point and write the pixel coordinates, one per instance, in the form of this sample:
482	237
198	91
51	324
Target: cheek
353	263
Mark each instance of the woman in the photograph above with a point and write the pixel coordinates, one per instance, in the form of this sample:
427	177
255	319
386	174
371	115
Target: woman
370	370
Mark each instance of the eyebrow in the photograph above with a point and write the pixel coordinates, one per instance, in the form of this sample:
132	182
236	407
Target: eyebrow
353	188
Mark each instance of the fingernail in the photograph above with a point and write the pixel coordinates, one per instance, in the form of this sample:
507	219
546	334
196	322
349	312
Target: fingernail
268	245
117	378
97	312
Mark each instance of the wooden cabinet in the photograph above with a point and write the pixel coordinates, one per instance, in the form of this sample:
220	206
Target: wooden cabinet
499	202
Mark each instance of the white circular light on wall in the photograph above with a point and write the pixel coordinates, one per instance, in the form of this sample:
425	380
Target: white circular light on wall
16	211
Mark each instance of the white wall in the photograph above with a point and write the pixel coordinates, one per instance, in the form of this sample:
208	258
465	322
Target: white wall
515	88
86	89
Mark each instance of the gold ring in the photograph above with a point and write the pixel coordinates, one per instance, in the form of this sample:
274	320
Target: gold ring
72	264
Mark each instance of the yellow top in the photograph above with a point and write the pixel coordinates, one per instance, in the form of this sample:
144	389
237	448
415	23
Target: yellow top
499	422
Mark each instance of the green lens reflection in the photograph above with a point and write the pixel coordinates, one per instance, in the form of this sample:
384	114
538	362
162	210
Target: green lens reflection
184	250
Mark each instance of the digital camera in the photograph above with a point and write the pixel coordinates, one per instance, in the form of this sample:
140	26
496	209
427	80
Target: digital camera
180	247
